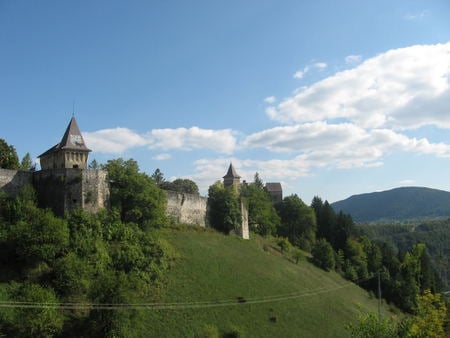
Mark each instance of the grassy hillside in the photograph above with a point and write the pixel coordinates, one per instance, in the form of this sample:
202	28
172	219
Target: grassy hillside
396	204
249	286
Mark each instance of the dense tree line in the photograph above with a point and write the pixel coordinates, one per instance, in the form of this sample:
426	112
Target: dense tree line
112	257
402	236
404	275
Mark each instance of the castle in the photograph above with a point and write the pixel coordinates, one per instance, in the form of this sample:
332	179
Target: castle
65	183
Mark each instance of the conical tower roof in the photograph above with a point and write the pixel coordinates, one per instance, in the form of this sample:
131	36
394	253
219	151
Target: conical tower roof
72	140
231	172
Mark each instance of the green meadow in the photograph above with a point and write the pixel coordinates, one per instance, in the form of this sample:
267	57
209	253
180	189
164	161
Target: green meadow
225	285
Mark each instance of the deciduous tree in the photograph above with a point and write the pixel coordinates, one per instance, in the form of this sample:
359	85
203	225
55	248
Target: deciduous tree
224	208
8	156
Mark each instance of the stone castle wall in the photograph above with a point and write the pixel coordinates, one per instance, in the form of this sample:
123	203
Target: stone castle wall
59	189
95	190
62	190
187	208
13	180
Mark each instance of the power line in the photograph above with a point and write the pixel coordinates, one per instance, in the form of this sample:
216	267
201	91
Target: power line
173	306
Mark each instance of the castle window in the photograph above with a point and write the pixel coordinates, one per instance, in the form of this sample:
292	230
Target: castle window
75	166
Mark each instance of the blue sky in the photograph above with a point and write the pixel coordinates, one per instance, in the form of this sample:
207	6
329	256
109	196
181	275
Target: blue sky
331	98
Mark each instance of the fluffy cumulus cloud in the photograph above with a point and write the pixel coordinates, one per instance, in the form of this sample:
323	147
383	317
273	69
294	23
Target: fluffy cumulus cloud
343	145
119	140
114	141
222	141
352	59
401	89
270	99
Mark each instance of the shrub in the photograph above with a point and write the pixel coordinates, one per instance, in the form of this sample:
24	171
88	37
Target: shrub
208	331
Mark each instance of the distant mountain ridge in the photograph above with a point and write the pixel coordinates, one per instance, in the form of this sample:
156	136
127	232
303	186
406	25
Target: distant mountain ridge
397	204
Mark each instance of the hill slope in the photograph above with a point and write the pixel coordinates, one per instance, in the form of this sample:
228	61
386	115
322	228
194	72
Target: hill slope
396	204
228	282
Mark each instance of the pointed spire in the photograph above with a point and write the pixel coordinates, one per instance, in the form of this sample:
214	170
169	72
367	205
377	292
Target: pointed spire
72	138
231	172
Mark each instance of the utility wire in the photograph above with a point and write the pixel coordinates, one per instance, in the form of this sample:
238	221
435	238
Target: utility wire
177	306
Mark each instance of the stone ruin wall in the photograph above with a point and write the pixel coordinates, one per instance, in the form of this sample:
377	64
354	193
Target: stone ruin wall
193	209
244	231
95	190
187	208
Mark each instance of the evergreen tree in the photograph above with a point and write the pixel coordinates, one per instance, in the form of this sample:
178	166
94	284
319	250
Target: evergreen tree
326	219
298	222
258	181
94	165
158	177
27	163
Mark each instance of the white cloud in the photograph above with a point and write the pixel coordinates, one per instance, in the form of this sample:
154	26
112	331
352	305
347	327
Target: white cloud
352	59
119	140
401	89
270	99
345	145
222	141
162	157
320	65
299	74
113	141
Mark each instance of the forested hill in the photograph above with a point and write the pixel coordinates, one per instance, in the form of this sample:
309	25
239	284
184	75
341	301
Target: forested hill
397	204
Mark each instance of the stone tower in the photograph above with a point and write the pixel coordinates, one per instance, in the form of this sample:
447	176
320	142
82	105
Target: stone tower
64	183
71	152
232	179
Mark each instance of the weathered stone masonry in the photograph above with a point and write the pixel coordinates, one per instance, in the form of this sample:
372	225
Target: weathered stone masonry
187	208
62	190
